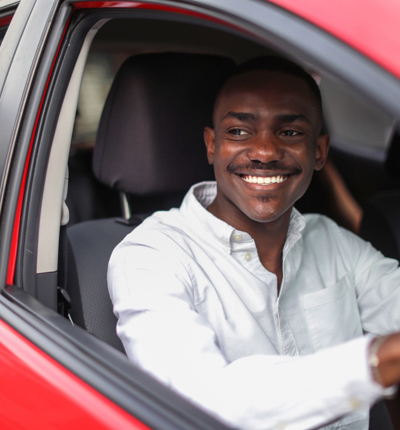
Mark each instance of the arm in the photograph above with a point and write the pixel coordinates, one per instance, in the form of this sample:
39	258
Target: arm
377	280
377	283
154	300
343	207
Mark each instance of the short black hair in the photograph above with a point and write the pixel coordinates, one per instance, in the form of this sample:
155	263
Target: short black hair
274	63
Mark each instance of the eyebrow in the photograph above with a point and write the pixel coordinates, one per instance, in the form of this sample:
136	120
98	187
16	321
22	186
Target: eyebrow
289	118
241	116
284	118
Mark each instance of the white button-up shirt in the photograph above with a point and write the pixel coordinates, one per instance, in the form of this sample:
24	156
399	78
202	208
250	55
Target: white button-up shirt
198	310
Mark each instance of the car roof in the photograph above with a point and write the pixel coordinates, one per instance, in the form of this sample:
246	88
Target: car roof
369	27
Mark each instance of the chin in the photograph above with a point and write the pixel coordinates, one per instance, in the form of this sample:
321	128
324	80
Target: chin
264	215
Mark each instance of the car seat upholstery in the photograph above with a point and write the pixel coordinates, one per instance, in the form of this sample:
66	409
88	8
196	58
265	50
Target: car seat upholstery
150	148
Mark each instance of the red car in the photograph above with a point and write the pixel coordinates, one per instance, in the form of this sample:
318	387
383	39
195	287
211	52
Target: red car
62	189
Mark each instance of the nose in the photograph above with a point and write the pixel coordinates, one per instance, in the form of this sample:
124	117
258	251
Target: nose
266	148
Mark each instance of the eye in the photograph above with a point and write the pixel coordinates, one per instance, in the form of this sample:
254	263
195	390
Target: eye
291	133
237	132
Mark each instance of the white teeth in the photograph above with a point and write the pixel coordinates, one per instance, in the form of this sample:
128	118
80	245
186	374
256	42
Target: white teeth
264	180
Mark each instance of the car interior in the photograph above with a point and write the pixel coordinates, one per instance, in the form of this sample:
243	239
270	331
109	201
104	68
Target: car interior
148	150
128	141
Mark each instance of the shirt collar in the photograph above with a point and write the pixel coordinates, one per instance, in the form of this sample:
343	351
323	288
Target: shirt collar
296	225
201	195
194	208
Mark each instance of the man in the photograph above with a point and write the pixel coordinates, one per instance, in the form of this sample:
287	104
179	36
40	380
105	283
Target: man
240	303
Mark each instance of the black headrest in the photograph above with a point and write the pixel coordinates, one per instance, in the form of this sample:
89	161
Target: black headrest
150	137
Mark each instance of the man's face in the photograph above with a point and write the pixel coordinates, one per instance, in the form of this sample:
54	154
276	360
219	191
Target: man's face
265	146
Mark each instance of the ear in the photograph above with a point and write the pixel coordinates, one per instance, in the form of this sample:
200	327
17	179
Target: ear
322	151
209	139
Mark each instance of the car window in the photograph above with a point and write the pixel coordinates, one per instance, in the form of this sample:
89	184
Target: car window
353	120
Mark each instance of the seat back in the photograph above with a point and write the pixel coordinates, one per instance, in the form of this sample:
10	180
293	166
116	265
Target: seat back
150	147
90	245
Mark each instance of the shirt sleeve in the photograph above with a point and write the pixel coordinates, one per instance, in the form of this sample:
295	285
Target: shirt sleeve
153	297
377	283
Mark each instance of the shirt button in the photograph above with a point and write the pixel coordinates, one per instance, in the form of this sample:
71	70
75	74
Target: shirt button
238	237
355	403
281	426
247	256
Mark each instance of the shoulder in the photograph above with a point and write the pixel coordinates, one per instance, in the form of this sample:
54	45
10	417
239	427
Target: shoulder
166	232
321	230
322	227
154	228
316	223
154	246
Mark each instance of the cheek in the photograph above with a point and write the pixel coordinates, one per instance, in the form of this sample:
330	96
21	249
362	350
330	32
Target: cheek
220	170
306	157
222	158
219	161
231	154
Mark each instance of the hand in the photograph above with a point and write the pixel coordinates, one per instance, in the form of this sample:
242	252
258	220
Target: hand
389	360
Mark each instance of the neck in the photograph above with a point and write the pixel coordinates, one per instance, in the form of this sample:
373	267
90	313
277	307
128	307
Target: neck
270	242
269	238
270	248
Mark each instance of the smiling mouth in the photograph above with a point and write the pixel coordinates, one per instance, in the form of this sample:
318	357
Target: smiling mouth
262	180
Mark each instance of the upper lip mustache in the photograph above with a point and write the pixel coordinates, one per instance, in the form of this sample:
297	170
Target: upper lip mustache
263	170
263	174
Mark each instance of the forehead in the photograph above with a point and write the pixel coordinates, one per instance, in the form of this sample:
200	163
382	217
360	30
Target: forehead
266	89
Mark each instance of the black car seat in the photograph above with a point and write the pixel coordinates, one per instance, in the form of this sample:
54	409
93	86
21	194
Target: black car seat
150	149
